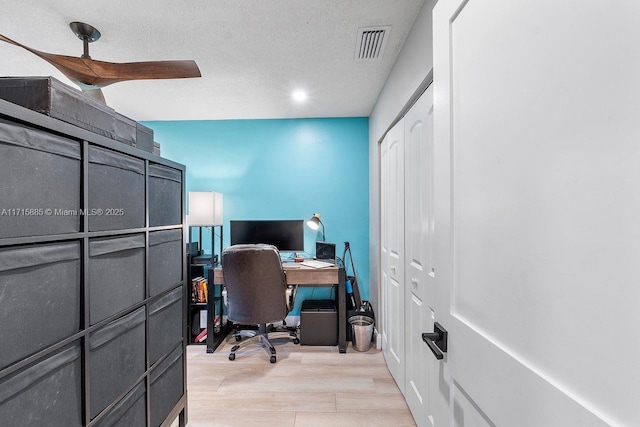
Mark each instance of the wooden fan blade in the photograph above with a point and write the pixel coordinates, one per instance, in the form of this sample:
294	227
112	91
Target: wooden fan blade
70	66
110	72
92	74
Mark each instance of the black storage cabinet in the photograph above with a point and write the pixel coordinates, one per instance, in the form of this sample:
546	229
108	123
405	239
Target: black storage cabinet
165	197
39	297
116	190
48	169
131	411
92	305
318	322
165	256
48	393
166	384
116	274
165	328
117	358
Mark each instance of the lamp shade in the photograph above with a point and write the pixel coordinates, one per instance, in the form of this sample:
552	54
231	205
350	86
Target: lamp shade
314	223
205	208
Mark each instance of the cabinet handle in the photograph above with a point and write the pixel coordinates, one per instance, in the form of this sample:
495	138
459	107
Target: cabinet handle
414	281
436	340
393	268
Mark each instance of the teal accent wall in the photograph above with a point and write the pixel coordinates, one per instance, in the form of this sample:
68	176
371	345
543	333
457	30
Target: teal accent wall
282	169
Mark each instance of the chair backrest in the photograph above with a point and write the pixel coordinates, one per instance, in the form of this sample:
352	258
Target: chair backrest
255	282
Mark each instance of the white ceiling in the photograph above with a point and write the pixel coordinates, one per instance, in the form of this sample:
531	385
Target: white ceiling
252	53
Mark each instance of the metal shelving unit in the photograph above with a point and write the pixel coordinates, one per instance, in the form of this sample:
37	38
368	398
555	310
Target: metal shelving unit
215	309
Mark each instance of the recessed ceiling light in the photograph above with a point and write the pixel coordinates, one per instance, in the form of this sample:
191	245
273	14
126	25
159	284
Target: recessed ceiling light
299	95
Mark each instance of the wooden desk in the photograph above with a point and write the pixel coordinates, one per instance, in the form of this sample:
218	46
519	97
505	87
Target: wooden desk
307	276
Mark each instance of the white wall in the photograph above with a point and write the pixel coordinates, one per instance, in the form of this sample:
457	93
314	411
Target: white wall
412	66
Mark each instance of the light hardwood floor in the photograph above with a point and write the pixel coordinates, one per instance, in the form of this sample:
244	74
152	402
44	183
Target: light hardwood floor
308	386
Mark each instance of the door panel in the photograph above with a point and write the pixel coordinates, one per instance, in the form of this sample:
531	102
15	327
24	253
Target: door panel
419	195
465	412
396	331
395	207
418	372
384	252
385	307
418	253
394	351
536	207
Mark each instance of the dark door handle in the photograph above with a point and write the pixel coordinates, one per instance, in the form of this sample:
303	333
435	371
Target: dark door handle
436	340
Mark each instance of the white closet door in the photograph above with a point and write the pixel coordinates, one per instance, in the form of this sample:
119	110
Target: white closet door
394	297
537	208
421	367
383	319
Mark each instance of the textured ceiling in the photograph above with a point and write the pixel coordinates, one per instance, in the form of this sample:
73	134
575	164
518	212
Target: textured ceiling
252	53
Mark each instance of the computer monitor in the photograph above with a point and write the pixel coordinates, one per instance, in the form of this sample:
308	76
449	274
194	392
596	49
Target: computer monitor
286	235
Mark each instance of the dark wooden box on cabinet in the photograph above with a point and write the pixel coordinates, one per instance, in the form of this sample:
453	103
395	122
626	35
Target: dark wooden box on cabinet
165	195
129	412
117	358
116	274
125	129
48	169
39	294
49	96
116	190
144	138
27	397
132	133
165	266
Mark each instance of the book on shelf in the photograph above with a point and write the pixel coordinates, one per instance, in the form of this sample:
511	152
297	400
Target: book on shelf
201	336
194	289
199	290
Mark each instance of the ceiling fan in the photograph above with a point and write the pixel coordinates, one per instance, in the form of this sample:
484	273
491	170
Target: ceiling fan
92	75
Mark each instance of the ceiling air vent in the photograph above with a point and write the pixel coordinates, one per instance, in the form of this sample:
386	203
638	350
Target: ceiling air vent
371	42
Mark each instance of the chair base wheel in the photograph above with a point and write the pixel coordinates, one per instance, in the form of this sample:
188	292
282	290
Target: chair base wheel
272	359
238	338
296	341
232	356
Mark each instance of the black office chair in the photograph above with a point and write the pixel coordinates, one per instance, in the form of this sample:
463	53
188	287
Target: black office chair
257	292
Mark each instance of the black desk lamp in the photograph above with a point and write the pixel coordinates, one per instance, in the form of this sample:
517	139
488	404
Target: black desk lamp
314	223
